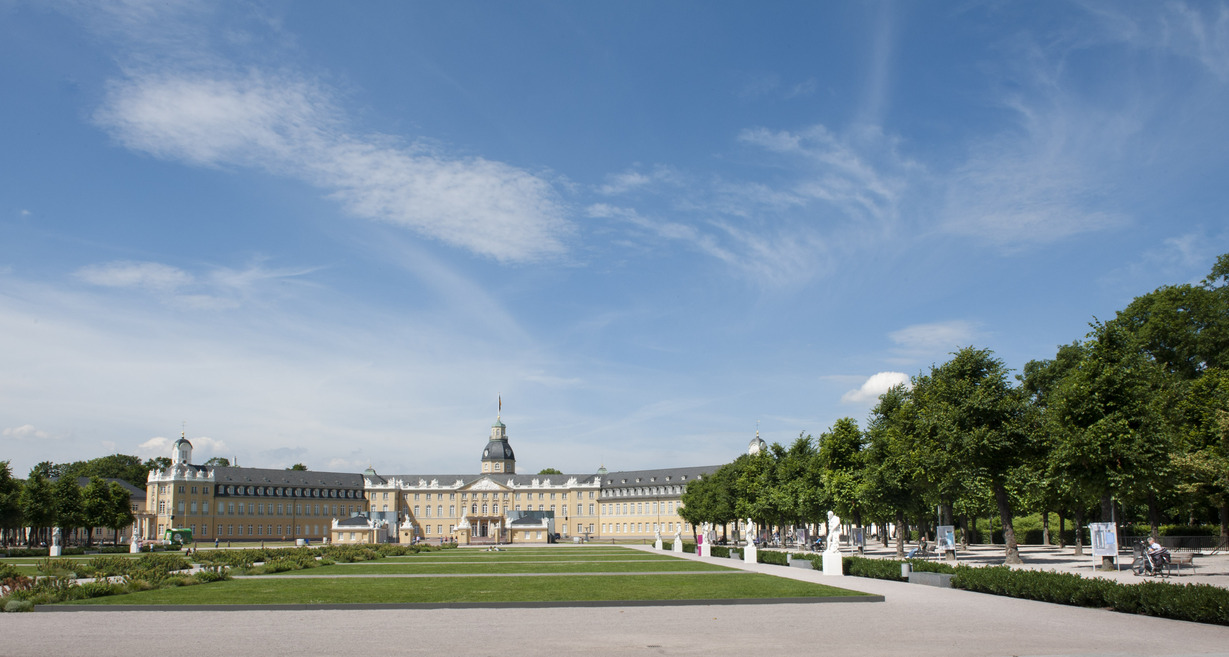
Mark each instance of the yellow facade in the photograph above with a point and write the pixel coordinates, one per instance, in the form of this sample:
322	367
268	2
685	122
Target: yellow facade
497	506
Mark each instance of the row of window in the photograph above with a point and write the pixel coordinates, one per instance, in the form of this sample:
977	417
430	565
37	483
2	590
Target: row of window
487	509
641	527
652	490
465	497
641	508
261	509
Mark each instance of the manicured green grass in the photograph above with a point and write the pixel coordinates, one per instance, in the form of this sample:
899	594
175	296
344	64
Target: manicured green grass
483	589
469	556
388	567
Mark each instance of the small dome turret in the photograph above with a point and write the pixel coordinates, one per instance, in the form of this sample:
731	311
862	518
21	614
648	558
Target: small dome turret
181	452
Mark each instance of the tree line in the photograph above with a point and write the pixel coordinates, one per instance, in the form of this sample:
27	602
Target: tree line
1131	423
31	509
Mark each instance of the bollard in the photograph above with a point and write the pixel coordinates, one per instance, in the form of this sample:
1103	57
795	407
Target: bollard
905	569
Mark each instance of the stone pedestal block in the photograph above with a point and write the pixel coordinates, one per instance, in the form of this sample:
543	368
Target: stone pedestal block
833	564
749	553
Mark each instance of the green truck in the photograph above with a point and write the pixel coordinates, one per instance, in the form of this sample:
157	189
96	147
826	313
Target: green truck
180	535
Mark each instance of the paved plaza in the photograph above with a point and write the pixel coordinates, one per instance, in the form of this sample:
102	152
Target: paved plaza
914	620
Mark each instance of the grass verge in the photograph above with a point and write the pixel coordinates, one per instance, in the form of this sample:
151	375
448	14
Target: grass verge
492	589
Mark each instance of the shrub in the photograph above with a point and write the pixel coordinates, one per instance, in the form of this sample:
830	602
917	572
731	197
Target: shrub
8	570
57	567
212	574
1192	602
16	582
18	606
872	568
768	556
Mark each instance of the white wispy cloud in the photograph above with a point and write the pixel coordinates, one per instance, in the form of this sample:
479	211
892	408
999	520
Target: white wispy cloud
874	386
215	289
149	275
287	125
1042	183
25	432
859	172
634	179
932	340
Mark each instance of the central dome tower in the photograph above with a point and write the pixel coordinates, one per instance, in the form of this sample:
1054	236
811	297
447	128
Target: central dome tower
497	457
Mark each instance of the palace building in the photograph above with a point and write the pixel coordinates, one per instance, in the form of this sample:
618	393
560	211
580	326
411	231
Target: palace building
497	505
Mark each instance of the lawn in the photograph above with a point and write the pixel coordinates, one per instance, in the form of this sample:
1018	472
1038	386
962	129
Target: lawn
290	590
629	575
390	567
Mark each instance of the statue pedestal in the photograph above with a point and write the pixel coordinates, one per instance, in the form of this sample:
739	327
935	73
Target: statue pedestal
678	545
706	550
750	553
134	548
55	551
657	544
833	564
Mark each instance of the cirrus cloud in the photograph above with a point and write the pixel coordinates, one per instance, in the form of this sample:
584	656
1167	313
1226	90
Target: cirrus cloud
288	126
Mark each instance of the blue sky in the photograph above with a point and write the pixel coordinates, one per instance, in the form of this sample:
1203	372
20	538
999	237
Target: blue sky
331	234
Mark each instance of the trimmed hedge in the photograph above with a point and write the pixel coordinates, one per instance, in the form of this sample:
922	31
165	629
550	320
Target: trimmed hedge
1201	603
890	568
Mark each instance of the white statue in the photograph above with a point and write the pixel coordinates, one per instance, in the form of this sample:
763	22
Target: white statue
55	537
834	533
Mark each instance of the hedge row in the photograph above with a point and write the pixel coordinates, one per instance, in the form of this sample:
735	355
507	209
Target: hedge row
1201	603
890	568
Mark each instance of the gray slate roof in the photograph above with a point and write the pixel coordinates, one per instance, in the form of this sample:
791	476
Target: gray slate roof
270	477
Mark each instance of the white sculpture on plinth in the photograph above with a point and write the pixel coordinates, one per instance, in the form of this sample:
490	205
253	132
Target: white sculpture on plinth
134	545
834	533
55	550
678	542
833	561
657	539
749	550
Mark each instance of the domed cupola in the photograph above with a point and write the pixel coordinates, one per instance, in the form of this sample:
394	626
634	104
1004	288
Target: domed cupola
182	451
757	444
497	457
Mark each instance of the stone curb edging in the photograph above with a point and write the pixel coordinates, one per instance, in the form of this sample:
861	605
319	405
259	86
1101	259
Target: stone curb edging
464	605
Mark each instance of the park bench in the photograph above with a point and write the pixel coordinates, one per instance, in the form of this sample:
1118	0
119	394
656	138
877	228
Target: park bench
1180	559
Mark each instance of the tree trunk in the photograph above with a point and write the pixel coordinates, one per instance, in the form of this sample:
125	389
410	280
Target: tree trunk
1079	531
964	531
1224	521
900	534
1107	515
1154	516
1045	528
1012	554
1062	539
